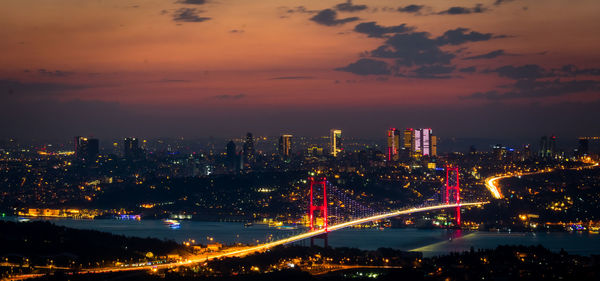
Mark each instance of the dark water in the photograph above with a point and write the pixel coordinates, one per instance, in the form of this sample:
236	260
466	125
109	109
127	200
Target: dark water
429	241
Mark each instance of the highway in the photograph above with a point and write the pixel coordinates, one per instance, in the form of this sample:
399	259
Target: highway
288	240
491	182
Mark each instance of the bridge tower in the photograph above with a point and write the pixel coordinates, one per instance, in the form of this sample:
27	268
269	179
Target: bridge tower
452	195
314	184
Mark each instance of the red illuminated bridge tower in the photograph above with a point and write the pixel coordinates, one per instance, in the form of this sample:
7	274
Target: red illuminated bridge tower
452	189
315	183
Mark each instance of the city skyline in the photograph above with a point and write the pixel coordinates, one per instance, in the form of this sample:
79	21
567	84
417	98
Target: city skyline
487	69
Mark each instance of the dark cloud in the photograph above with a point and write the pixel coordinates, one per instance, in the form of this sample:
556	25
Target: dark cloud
490	55
55	73
463	10
230	97
189	15
500	2
413	48
301	9
433	71
367	67
192	2
329	17
372	29
462	35
408	48
539	89
572	70
292	78
349	7
411	8
524	72
469	69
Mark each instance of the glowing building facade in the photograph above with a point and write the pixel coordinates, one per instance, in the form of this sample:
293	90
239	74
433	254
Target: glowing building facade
335	142
285	146
393	139
420	142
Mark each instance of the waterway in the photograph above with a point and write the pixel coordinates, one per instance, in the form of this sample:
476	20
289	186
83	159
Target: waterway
428	241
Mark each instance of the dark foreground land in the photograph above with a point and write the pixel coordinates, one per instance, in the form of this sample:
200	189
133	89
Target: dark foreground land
503	263
27	247
33	246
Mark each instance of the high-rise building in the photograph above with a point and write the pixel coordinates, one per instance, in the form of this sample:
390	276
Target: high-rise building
285	147
231	157
131	148
393	139
409	142
86	149
543	146
547	147
335	142
248	149
425	143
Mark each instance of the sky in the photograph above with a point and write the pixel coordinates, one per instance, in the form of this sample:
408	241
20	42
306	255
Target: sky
515	69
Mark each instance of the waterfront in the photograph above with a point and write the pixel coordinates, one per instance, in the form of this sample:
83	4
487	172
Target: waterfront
429	241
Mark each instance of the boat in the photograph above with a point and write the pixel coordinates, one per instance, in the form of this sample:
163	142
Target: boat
173	224
287	227
248	224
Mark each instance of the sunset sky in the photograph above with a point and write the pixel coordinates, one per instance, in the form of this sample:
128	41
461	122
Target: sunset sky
194	68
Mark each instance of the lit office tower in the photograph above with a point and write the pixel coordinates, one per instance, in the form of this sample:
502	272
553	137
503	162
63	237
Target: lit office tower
425	143
409	141
393	138
433	145
131	148
335	142
285	147
86	149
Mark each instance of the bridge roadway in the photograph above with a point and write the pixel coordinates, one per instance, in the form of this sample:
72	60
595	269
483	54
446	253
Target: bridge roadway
288	240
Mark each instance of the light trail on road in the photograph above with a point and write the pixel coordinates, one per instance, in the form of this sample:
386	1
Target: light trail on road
491	182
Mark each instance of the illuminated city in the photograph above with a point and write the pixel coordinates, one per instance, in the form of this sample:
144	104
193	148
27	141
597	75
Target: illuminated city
300	140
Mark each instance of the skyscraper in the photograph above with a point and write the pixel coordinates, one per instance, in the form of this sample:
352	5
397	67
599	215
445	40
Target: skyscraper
335	142
433	145
409	142
86	149
131	148
543	146
285	147
248	149
231	157
425	143
547	147
393	139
